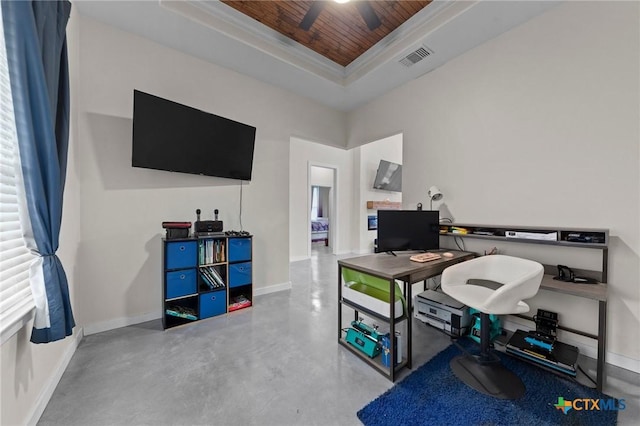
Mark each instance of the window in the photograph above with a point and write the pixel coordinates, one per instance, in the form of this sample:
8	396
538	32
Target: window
16	302
315	201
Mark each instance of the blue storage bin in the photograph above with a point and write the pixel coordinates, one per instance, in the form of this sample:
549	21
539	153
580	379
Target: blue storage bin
181	283
213	303
239	249
239	274
181	254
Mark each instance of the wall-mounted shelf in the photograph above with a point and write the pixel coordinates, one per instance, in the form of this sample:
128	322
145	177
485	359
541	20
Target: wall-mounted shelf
384	205
573	237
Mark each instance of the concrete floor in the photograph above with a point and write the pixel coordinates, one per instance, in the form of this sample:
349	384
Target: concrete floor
277	363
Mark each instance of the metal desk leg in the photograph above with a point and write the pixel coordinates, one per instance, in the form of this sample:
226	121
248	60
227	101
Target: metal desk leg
339	300
602	340
409	321
392	328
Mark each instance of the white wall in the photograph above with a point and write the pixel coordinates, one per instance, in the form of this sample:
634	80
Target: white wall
30	372
321	176
369	157
303	154
120	259
538	126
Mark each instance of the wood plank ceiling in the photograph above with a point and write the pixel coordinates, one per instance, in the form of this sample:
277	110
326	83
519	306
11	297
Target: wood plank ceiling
339	33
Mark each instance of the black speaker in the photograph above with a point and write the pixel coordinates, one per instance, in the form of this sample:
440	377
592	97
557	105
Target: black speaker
206	226
209	226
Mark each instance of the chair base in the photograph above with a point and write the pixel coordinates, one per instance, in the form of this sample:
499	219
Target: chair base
489	378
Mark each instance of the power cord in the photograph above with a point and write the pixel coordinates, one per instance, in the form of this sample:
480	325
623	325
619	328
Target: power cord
595	385
436	283
241	206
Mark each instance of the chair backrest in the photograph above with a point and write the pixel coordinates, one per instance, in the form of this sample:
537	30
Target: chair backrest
520	279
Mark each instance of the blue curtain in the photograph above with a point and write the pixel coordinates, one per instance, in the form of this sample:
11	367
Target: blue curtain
35	35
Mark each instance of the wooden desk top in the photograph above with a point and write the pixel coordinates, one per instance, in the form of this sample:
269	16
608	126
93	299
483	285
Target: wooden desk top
589	291
387	266
390	267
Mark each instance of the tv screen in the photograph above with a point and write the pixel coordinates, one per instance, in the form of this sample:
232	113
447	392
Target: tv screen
174	137
388	176
408	230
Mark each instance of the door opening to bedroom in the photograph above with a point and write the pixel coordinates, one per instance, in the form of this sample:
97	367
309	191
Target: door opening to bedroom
321	191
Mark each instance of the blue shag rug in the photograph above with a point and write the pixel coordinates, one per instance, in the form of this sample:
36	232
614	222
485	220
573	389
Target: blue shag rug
433	395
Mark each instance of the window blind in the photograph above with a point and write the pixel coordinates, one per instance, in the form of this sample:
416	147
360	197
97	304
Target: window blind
15	291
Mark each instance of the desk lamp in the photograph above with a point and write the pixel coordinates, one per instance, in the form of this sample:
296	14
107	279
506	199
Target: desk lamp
434	194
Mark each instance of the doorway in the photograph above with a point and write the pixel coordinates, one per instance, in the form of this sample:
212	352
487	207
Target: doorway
321	208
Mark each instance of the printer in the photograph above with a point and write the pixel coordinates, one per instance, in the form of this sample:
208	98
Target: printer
443	312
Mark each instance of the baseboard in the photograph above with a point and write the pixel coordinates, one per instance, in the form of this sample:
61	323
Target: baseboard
120	322
50	387
272	289
623	361
590	351
150	316
299	258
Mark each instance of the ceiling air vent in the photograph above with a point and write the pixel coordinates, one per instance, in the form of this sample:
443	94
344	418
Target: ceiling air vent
415	56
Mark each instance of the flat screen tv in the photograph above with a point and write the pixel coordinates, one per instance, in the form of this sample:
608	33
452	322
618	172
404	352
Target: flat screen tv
408	230
388	176
174	137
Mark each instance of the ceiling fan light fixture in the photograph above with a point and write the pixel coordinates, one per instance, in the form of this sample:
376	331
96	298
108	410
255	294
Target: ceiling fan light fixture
341	1
364	7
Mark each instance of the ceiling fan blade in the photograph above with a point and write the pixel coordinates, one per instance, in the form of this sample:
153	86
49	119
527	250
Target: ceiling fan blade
368	14
312	15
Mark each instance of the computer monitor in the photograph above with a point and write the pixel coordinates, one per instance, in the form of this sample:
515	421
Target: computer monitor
408	230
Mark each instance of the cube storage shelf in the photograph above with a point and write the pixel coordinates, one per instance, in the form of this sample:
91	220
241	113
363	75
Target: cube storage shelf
204	277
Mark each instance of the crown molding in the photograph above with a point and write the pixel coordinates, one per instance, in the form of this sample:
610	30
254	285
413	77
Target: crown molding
228	21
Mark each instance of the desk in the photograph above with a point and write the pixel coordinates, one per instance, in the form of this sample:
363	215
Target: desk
577	238
391	268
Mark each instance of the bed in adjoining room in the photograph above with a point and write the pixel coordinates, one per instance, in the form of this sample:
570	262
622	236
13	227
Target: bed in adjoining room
320	230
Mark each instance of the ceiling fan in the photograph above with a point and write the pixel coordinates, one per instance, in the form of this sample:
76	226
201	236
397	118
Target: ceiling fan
363	6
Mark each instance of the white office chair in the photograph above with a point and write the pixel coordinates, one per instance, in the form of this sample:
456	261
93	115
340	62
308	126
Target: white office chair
499	286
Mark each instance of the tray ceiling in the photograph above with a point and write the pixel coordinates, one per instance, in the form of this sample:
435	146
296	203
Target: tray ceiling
339	31
420	37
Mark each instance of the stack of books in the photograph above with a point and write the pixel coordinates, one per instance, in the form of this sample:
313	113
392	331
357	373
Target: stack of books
211	251
211	277
181	312
239	303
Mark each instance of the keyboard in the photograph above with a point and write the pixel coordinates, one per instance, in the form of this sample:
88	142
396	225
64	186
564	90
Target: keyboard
425	257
